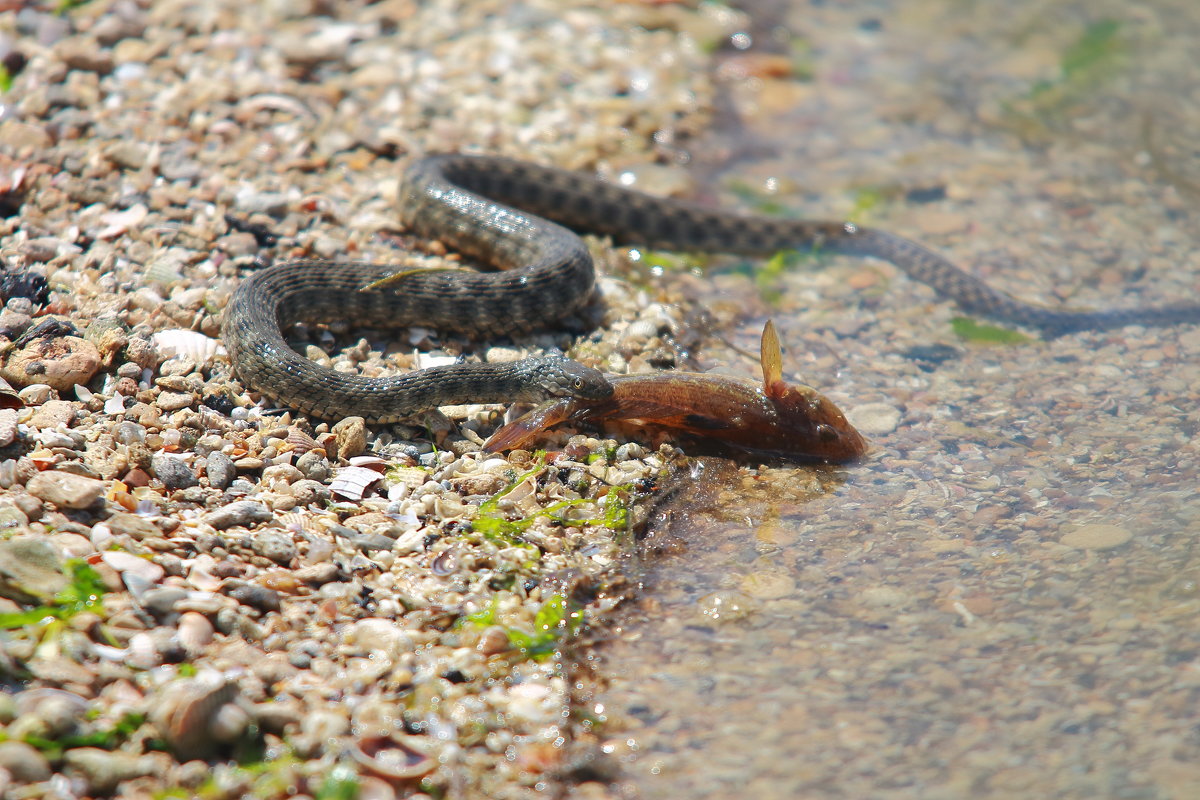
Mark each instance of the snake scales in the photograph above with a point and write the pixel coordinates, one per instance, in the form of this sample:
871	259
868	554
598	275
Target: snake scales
471	203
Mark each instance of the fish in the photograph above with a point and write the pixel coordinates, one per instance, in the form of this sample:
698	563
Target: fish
792	421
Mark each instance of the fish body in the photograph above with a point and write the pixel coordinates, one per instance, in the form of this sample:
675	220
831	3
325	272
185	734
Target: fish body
776	417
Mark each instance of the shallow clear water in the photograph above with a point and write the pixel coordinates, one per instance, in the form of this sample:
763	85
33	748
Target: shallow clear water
1004	599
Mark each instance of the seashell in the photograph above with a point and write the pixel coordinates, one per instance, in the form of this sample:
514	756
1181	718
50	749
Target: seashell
353	482
117	223
445	562
272	102
186	715
392	757
9	397
373	462
300	522
191	345
200	574
299	442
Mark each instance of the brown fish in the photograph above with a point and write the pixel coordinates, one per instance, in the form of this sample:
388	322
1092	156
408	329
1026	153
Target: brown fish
792	421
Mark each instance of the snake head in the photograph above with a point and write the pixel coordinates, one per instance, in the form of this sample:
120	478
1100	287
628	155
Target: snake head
561	377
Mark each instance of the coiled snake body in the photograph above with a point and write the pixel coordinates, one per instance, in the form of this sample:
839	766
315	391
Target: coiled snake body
545	271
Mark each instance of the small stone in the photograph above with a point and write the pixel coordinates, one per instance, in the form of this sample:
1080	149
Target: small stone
23	762
874	418
103	770
13	323
66	490
220	469
314	466
276	546
726	605
174	401
194	631
127	153
250	201
133	567
58	361
58	714
351	436
161	602
61	671
768	584
40	250
84	55
12	517
137	477
1097	536
883	597
51	413
173	472
18	136
307	492
133	526
319	574
244	513
253	595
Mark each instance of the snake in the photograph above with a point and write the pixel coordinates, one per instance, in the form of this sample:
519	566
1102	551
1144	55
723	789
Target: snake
521	219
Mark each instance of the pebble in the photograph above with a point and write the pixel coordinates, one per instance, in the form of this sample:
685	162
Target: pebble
273	545
351	435
103	770
195	632
23	762
131	566
60	362
174	401
220	470
1096	536
726	605
874	418
768	584
12	517
133	526
173	471
13	323
50	413
253	595
163	601
314	466
243	513
66	490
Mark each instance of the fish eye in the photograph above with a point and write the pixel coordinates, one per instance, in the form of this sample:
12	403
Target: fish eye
826	433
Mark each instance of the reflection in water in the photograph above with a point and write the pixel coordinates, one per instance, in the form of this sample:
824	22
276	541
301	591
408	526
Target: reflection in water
1004	601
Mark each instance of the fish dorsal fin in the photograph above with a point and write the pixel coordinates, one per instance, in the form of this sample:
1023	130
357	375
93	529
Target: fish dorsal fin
771	360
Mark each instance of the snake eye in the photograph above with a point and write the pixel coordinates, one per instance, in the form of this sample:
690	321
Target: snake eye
579	383
826	433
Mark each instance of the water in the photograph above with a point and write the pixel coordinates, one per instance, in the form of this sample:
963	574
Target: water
1004	599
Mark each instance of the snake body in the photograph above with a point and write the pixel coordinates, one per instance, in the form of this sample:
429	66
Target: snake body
518	217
